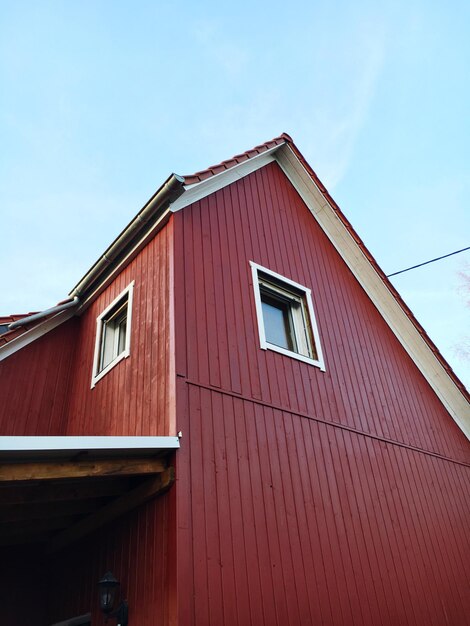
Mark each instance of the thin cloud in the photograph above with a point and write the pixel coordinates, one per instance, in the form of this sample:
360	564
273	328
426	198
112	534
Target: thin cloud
343	123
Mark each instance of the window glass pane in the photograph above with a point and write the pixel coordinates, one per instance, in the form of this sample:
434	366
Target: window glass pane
277	324
107	346
122	335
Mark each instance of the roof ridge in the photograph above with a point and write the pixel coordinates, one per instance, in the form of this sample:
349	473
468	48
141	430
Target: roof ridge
212	170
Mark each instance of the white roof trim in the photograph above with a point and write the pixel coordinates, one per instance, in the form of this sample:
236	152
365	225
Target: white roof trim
34	333
398	321
200	190
78	444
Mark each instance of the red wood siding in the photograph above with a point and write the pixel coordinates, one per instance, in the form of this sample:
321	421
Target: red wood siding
45	388
135	549
370	383
38	590
34	384
135	397
291	520
305	497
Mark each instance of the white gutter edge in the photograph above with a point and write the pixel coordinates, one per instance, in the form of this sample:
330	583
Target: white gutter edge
24	321
45	444
171	189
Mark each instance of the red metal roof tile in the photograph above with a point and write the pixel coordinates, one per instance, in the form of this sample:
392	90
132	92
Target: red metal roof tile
191	179
12	334
16	332
9	319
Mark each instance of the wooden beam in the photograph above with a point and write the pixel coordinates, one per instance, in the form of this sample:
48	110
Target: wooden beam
13	493
13	472
111	511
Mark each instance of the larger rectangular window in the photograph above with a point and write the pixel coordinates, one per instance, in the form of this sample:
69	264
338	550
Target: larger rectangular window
286	320
113	334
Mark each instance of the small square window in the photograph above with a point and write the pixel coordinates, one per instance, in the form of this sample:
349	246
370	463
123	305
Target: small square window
286	321
113	334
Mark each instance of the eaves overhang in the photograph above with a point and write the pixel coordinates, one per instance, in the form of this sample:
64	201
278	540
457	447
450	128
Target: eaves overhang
178	192
144	225
438	373
56	490
150	219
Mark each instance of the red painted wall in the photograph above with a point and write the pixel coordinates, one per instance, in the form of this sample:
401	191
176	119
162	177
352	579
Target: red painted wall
135	549
302	497
296	521
136	397
34	384
38	590
45	388
337	497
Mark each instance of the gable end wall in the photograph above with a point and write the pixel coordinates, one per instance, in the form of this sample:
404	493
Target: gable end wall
304	496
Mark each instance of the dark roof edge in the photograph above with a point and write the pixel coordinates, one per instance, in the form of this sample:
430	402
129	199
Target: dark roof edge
171	189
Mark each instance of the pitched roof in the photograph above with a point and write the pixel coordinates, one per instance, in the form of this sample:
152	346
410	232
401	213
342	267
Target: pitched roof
5	320
284	138
178	192
9	319
191	179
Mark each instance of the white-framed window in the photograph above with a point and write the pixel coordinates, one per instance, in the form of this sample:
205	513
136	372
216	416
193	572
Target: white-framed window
286	320
113	334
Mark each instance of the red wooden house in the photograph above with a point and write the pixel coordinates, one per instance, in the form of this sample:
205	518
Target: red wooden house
237	415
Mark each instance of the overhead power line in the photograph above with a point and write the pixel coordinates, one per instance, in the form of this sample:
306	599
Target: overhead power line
413	267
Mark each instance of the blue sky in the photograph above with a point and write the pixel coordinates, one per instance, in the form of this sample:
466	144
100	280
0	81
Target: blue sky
100	101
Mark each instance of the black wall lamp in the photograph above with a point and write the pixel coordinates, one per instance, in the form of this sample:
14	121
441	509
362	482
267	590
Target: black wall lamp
108	587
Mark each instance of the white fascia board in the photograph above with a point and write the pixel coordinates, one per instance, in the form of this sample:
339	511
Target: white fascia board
35	333
38	331
398	321
200	190
78	444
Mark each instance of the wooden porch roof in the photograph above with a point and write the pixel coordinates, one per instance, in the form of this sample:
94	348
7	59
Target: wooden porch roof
55	490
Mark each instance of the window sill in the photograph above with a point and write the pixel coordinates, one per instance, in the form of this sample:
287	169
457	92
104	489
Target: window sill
109	367
294	355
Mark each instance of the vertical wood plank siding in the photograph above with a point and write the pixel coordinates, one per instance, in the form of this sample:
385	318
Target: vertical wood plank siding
305	497
290	520
134	397
135	549
370	383
34	384
45	388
